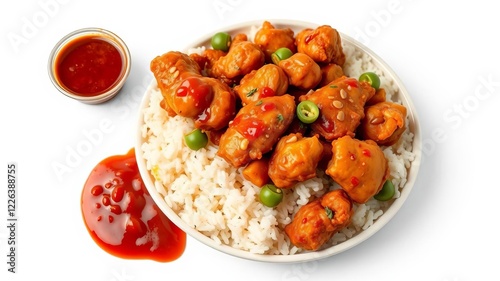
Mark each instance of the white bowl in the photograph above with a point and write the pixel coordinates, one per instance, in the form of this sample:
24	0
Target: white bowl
304	256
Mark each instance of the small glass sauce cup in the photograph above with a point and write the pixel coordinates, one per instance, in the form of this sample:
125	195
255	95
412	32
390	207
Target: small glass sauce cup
70	43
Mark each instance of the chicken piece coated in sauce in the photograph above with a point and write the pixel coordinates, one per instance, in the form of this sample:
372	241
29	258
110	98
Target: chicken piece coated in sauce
329	73
207	59
240	37
242	58
256	129
341	105
302	71
222	109
380	96
169	70
270	39
269	80
384	123
316	222
323	44
359	167
294	159
189	94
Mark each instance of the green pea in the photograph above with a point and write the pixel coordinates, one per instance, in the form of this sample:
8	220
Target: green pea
281	54
371	78
270	195
196	139
387	191
307	111
221	41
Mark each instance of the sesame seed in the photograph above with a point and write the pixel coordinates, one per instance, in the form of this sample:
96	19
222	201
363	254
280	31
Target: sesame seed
340	116
244	144
172	69
337	104
377	120
343	93
176	73
292	139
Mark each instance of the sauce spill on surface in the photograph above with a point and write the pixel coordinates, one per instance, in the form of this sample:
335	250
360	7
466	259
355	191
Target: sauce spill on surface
121	216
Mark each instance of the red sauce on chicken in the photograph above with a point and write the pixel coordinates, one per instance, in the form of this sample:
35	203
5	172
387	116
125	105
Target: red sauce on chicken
88	66
121	216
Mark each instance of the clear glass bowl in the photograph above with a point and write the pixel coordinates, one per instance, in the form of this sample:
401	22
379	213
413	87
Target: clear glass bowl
102	34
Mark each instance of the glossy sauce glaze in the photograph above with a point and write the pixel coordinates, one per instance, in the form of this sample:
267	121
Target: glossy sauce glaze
121	216
88	66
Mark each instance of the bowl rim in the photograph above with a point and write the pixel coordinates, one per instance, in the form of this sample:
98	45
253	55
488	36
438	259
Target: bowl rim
110	37
304	256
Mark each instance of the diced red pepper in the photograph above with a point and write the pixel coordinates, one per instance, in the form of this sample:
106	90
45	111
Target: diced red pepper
267	92
267	106
351	82
354	181
251	128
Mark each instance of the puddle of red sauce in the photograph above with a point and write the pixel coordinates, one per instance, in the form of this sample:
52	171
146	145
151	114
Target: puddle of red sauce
121	216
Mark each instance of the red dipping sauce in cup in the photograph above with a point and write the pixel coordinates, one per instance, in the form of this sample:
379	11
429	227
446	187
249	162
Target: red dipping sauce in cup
88	65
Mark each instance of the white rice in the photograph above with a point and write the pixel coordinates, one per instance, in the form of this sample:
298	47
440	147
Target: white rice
212	196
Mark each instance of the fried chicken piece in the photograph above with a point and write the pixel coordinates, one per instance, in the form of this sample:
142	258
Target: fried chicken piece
301	70
330	73
294	159
384	123
242	58
240	37
339	202
169	70
256	129
323	44
316	222
359	167
207	58
189	94
256	171
221	110
270	39
380	96
341	105
269	80
310	227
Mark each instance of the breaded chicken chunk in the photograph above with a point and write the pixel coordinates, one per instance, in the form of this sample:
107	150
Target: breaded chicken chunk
323	44
359	167
316	222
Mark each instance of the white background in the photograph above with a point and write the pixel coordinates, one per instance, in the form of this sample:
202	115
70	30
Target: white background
447	55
